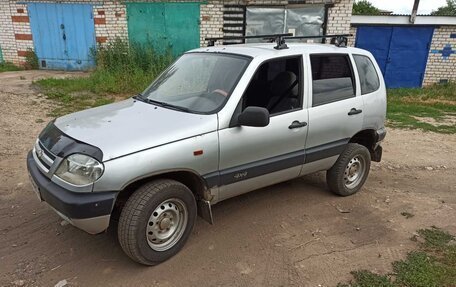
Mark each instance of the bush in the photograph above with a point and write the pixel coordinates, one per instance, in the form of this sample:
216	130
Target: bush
127	68
31	60
121	69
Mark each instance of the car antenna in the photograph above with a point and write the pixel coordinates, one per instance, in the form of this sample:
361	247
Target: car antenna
278	38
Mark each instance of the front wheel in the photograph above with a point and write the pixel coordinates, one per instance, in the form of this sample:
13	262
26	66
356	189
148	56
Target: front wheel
156	221
350	171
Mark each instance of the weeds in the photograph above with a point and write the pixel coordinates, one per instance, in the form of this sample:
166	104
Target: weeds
122	70
365	278
8	67
31	60
433	265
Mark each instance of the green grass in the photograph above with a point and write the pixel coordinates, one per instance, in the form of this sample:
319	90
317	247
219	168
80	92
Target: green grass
436	102
432	265
8	67
122	70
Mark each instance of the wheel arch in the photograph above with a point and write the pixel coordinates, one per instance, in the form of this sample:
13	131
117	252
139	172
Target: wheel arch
367	138
189	178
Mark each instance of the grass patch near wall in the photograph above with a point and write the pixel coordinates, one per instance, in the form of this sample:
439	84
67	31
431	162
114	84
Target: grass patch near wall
8	67
432	265
122	70
431	108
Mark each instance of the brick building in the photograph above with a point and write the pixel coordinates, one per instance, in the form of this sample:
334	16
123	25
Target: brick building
29	25
184	24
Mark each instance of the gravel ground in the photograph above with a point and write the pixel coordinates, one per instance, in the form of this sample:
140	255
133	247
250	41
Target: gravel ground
292	234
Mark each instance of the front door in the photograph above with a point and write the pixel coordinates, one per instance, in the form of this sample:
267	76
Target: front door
254	157
63	35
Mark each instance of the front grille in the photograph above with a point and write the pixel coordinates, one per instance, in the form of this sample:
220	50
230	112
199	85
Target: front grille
44	156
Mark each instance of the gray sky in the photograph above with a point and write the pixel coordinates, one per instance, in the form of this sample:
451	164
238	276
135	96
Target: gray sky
405	6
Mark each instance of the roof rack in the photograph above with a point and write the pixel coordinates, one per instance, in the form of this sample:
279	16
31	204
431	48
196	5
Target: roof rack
338	40
278	38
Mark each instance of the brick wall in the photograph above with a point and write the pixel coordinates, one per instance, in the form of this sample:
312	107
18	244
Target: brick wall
339	17
441	63
111	20
7	38
211	17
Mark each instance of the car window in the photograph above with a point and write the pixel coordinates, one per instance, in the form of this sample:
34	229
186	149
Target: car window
198	82
276	86
332	78
368	76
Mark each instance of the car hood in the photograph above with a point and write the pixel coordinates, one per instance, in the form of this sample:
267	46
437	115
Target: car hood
130	126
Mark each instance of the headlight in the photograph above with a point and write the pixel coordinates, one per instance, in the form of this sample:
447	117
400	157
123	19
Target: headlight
80	169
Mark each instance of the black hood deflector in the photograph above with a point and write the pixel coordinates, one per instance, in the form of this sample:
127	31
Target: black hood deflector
63	145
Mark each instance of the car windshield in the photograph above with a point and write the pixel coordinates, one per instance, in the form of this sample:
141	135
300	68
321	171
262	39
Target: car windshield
197	82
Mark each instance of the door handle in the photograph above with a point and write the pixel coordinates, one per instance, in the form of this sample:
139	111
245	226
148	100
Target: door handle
354	111
297	124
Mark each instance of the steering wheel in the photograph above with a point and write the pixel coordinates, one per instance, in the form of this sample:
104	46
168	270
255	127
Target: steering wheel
220	92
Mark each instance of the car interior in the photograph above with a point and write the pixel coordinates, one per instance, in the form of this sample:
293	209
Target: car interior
276	86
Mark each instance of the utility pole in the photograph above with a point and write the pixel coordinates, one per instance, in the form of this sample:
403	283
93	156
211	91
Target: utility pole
414	11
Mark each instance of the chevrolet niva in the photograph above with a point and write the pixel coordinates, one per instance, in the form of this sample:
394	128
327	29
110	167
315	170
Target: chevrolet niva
219	122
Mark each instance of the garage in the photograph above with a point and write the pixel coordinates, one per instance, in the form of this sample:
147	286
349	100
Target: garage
63	35
400	51
173	26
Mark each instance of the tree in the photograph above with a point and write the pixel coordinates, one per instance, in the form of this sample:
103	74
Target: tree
364	7
448	10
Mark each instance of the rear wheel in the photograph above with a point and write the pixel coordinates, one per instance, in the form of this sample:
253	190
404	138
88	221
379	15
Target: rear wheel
156	221
350	171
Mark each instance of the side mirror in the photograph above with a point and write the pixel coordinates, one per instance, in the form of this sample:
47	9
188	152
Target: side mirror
254	117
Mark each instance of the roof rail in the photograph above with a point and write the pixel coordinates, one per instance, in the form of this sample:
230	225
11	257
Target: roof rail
339	40
278	38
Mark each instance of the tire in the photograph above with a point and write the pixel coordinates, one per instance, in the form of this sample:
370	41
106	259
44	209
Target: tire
355	160
156	221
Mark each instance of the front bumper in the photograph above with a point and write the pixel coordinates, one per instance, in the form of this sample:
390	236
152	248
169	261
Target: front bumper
89	211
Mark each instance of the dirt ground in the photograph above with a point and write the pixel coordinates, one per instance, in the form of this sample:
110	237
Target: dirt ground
292	234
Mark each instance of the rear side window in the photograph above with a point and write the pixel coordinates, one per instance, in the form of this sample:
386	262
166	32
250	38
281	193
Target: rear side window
367	74
332	78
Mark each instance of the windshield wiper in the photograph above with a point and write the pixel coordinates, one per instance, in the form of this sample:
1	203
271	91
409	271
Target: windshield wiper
161	104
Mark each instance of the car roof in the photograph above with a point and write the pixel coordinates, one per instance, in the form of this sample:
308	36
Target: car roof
267	49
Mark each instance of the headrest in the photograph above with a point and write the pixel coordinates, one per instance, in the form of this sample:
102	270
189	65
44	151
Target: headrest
282	83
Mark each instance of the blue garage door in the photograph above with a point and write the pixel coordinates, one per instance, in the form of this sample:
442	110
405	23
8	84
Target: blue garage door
63	35
401	52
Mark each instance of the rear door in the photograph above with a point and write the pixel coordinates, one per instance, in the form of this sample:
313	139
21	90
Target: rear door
335	111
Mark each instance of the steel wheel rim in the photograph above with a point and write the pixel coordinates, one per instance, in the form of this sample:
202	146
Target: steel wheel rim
166	224
354	172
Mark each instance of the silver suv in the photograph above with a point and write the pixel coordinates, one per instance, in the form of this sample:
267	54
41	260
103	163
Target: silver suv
219	122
